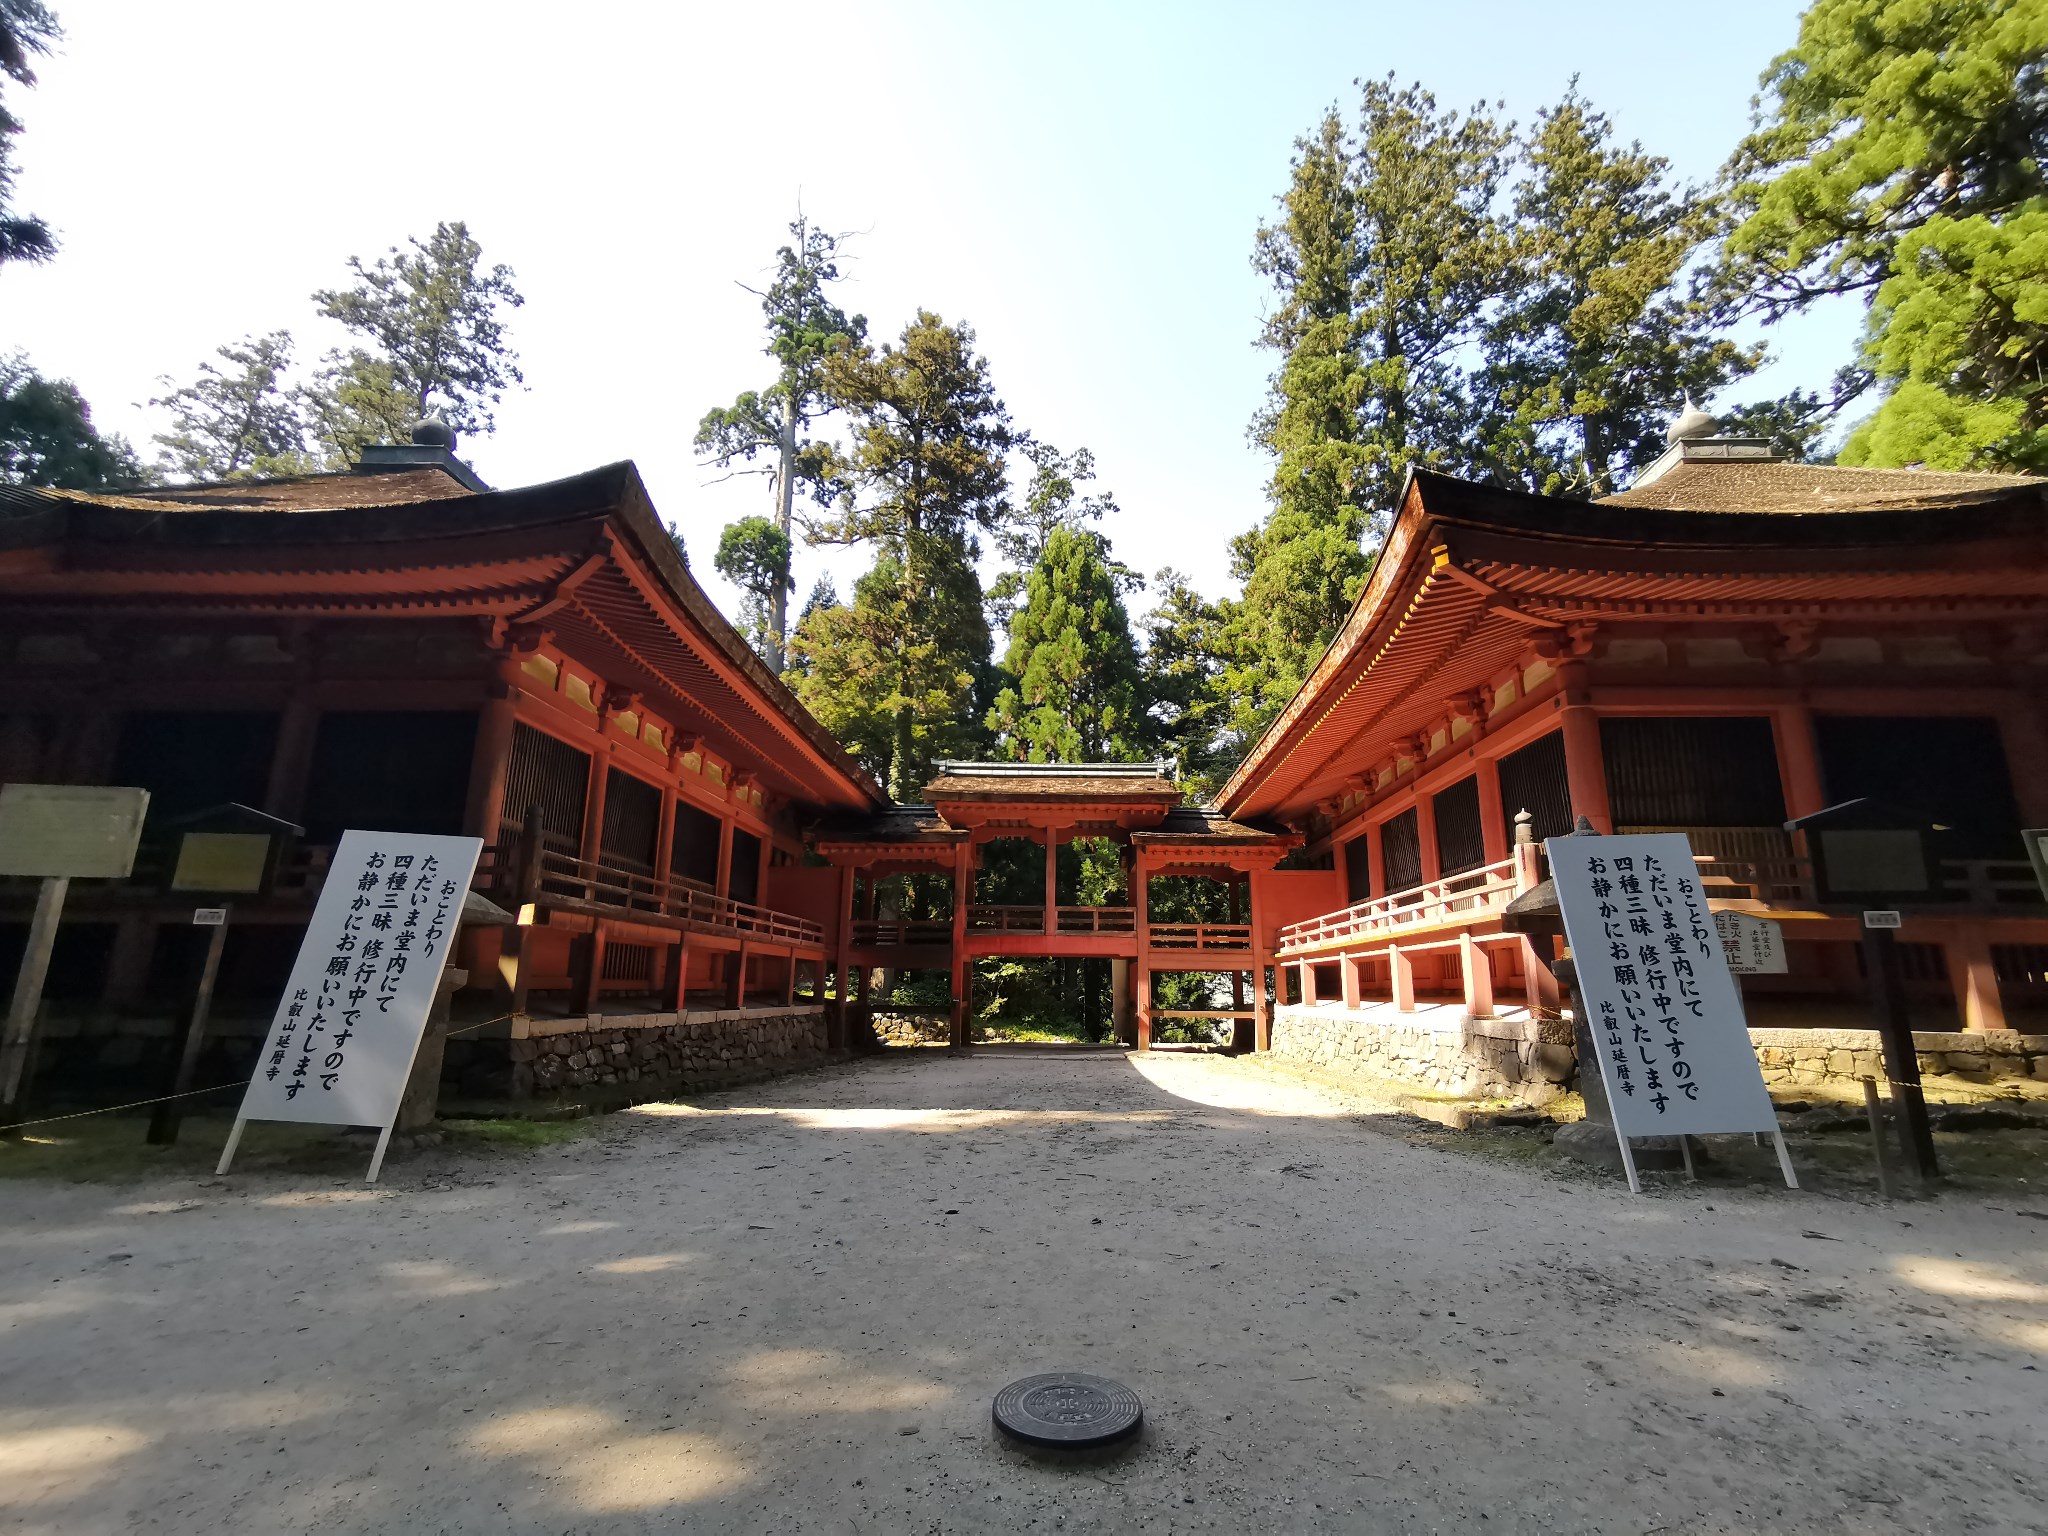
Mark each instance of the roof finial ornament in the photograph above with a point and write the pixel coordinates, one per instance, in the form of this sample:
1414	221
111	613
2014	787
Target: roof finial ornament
433	432
1691	422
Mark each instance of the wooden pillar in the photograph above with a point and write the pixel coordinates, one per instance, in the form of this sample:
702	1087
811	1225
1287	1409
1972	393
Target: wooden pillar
484	808
736	976
515	944
586	967
1144	1005
723	884
1798	760
1401	976
963	894
675	992
1970	972
1120	1000
593	806
291	762
1347	981
1052	880
1262	1024
1585	765
1493	821
842	966
665	835
1477	971
1425	837
1375	861
789	984
1141	901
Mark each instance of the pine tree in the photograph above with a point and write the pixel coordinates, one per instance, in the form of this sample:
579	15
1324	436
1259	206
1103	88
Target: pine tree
240	422
1077	696
27	29
1596	338
804	326
924	475
433	342
1901	154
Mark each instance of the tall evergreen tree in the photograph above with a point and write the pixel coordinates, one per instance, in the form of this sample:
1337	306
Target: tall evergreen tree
1076	695
27	29
924	475
236	422
1901	154
1386	258
1597	338
47	436
1052	500
753	554
431	325
804	326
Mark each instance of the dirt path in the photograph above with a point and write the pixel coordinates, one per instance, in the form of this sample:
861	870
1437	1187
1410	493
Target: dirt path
787	1308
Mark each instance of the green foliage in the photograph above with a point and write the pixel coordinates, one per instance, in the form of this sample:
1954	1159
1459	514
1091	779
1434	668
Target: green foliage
432	342
1052	500
753	554
1077	692
1899	153
27	29
47	436
1386	256
924	474
239	422
804	328
1186	704
893	673
1594	341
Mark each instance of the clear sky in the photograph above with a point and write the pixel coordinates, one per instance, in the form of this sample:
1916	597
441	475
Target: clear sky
1080	182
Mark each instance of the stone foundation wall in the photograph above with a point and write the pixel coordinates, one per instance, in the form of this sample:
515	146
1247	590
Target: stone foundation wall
1813	1058
1531	1061
691	1051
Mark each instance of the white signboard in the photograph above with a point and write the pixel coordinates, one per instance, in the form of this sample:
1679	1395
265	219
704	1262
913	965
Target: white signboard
1659	1001
82	831
1755	946
341	1046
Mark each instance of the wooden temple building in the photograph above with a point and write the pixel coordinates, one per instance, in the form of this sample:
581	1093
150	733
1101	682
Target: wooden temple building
1732	643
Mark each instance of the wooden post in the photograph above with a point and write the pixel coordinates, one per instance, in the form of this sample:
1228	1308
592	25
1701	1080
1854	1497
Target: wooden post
789	984
1347	979
676	985
722	883
1425	837
1493	821
1401	976
736	977
28	996
963	896
1971	972
1262	1024
291	760
1798	760
1120	1000
1052	881
485	805
586	967
515	950
1144	1005
165	1118
593	807
1478	975
1585	765
843	961
1901	1061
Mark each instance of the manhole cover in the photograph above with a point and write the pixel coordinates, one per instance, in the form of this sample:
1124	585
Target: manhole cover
1069	1410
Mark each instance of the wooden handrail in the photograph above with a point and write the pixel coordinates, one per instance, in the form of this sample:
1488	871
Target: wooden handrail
1200	936
1467	896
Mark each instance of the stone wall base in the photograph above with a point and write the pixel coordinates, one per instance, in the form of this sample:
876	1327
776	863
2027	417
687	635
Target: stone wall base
1438	1048
1814	1058
687	1051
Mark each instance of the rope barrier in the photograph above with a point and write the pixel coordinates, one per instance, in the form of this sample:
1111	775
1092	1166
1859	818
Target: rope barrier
114	1109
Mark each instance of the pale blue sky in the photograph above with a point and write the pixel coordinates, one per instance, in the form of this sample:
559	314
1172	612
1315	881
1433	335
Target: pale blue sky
1079	182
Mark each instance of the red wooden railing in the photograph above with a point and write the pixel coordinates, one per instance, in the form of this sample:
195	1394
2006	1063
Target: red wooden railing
1461	898
1201	936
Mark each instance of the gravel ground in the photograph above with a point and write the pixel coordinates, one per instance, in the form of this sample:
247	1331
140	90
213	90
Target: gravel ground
786	1308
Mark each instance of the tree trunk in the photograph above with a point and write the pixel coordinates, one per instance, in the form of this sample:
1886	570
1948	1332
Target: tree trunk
899	758
785	501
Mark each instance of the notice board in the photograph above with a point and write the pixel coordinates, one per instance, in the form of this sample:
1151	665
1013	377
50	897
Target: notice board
1654	986
348	1025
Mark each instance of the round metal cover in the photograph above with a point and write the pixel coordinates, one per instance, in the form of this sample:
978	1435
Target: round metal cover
1068	1410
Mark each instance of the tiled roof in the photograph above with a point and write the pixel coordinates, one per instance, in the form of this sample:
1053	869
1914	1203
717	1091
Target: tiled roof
1192	823
303	493
1051	781
895	824
1765	485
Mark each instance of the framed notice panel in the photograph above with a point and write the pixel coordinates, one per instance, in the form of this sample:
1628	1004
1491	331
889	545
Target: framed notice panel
341	1045
1660	1004
70	831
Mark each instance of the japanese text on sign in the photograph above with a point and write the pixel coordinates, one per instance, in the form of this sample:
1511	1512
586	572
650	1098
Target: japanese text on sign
1655	988
349	1023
